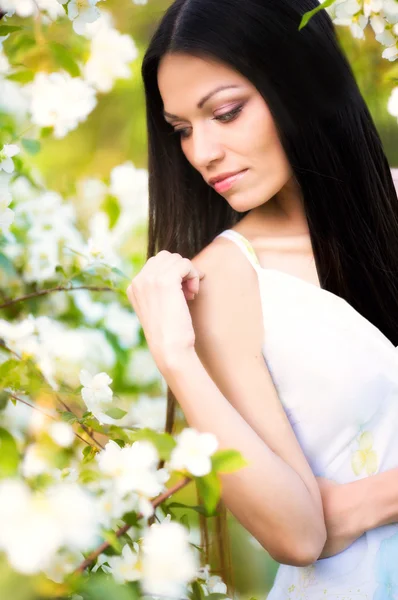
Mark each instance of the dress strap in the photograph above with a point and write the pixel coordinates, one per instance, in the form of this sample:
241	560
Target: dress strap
243	244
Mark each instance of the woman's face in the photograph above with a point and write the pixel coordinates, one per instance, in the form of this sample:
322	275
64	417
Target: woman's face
225	131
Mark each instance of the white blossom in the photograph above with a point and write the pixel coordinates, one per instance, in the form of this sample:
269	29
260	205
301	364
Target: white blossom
110	54
6	154
60	101
168	562
81	12
133	468
28	8
6	214
123	323
97	394
392	105
34	525
124	567
62	433
193	452
34	461
147	411
141	368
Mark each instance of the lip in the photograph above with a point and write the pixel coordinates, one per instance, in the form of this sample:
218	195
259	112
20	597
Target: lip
227	182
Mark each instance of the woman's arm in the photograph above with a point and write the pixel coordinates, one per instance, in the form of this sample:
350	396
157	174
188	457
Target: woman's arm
268	497
352	508
224	387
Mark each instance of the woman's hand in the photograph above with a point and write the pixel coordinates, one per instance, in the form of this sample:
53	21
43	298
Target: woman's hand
158	295
339	515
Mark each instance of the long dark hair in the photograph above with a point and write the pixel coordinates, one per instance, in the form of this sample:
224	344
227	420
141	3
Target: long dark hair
326	131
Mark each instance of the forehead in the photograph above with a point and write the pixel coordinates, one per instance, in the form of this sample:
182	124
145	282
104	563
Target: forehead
182	75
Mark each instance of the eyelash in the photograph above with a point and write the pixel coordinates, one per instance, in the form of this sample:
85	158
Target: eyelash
234	112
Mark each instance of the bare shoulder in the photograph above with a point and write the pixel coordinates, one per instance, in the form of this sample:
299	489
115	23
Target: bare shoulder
228	303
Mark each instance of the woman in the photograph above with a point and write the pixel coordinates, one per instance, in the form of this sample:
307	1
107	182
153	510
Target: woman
290	356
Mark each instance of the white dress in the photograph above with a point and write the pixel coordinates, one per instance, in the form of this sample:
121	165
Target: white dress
336	375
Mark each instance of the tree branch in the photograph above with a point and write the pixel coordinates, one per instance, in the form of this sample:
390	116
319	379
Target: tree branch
55	289
95	554
46	414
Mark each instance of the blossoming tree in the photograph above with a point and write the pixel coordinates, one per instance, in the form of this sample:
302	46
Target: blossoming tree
87	478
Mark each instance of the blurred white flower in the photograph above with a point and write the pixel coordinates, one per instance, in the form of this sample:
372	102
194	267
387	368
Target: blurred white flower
92	311
82	12
100	246
130	186
123	323
78	527
60	101
6	154
133	468
148	412
4	64
141	368
27	8
62	564
193	452
34	525
168	562
378	24
124	568
13	99
372	6
16	333
112	506
34	461
62	433
97	394
392	105
110	54
42	260
390	53
6	214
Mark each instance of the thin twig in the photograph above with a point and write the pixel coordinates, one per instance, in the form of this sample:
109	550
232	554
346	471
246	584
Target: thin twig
84	427
95	554
55	289
57	397
46	414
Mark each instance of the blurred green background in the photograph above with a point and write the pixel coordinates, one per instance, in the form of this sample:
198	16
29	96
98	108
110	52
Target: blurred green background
115	133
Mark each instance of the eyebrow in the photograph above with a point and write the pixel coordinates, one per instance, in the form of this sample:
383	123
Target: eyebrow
204	99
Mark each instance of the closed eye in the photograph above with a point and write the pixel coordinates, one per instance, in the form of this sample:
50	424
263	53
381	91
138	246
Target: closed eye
226	117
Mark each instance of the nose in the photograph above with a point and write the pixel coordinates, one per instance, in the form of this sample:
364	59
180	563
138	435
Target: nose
206	147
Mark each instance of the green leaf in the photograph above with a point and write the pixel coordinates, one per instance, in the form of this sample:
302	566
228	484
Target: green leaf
68	416
119	272
22	76
9	455
59	269
116	413
46	132
113	540
31	146
88	454
6	29
184	520
199	509
103	587
209	488
228	461
197	591
7	266
308	15
164	442
131	519
64	59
